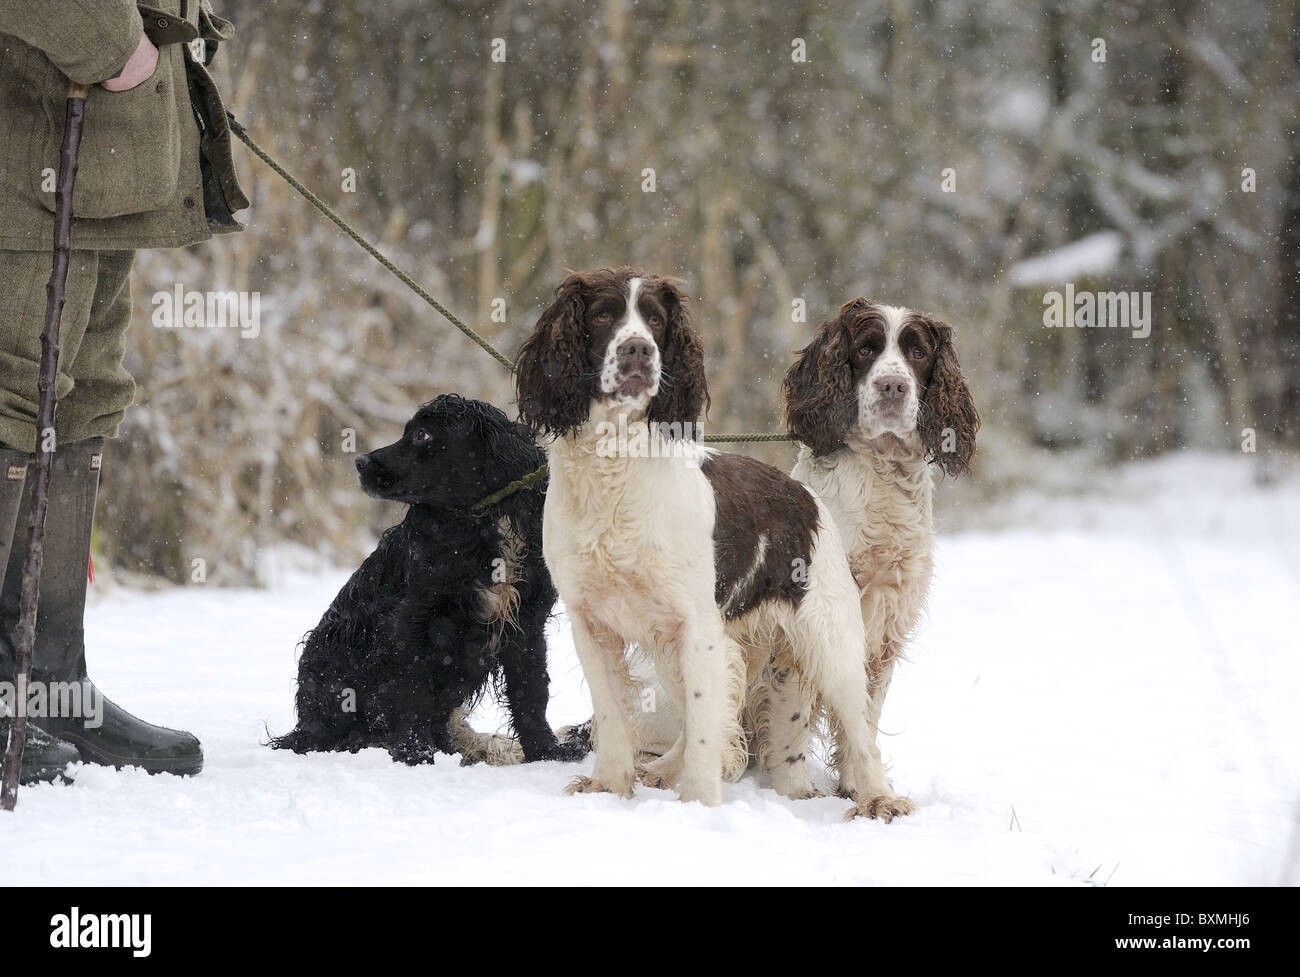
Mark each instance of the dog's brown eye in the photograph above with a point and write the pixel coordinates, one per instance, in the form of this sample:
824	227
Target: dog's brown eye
918	353
655	321
422	435
603	317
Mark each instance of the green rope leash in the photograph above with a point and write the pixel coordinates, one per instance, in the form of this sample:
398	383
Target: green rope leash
743	438
242	135
521	484
518	485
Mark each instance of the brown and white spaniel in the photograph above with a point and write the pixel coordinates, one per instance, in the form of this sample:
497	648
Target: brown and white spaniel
875	399
715	563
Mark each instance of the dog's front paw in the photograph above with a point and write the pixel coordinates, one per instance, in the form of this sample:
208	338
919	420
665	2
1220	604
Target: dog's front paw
589	785
883	808
413	750
656	780
579	734
792	780
566	752
660	774
707	791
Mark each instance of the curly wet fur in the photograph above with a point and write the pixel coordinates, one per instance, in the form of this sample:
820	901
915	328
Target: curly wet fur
820	398
449	604
947	406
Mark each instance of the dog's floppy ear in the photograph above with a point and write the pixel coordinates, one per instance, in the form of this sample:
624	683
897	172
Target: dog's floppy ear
683	388
821	403
948	420
508	446
553	399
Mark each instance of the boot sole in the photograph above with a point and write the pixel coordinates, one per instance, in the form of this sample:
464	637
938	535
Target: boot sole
177	766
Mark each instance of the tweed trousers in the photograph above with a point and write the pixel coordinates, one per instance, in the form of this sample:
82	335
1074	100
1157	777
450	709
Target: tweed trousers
93	385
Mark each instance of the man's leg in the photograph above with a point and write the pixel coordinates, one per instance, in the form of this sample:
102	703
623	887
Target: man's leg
98	391
23	275
101	388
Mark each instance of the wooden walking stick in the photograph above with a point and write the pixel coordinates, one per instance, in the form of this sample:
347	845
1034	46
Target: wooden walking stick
47	396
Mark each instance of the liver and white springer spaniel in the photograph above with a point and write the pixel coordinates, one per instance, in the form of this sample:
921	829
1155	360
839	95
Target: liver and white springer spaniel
875	399
714	562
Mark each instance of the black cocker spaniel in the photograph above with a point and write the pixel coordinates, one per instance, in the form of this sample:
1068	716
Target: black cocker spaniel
450	601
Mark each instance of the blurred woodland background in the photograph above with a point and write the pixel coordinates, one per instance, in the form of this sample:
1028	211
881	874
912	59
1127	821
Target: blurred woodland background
775	180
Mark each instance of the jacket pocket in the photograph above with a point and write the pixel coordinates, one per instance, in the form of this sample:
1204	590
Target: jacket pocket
130	156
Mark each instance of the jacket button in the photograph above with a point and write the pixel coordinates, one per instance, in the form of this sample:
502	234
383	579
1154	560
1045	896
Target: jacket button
162	23
159	87
189	201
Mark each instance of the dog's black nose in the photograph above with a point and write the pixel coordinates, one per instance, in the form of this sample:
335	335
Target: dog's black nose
363	462
635	352
891	389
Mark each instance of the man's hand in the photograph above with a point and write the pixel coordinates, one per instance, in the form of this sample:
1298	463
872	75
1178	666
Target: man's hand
138	69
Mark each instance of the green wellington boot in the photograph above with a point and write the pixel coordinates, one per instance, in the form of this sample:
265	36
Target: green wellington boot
114	737
44	757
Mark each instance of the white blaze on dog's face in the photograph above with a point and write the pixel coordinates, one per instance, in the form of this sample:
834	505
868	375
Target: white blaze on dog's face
878	371
892	355
627	328
614	344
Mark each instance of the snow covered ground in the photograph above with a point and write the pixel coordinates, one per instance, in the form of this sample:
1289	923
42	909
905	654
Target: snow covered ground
1106	690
